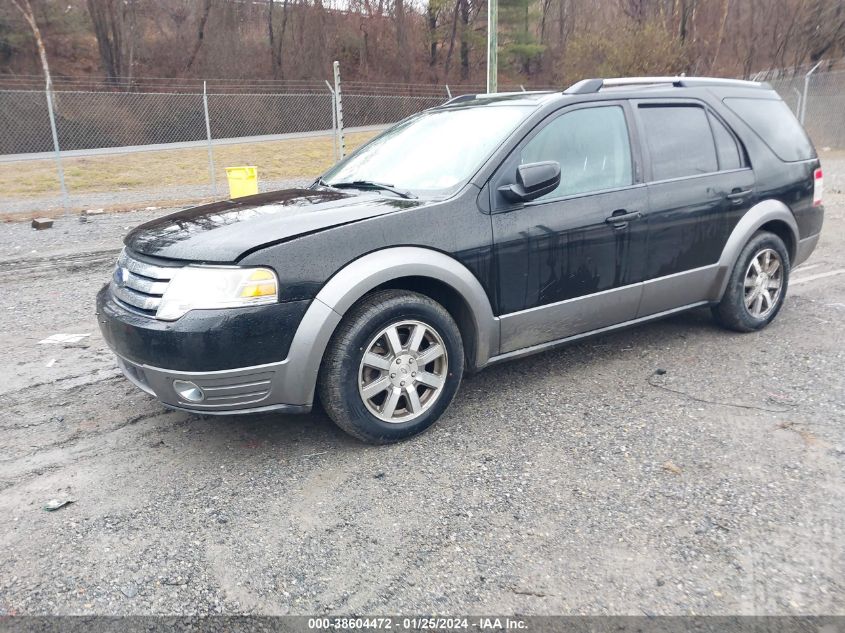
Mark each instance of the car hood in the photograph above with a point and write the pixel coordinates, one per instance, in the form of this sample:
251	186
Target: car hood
224	231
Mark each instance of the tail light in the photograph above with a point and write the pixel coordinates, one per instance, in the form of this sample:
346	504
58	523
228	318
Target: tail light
818	187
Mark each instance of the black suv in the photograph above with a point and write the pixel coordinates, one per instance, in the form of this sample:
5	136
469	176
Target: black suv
488	228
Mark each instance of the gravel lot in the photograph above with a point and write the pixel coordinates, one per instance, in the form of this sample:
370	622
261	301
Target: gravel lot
574	482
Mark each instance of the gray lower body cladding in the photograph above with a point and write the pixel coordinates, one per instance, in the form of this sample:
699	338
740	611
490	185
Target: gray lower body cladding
232	391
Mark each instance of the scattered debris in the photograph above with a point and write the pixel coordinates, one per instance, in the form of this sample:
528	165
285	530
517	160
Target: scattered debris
680	392
531	592
130	591
671	467
789	425
39	224
379	475
56	504
94	212
60	339
152	208
50	362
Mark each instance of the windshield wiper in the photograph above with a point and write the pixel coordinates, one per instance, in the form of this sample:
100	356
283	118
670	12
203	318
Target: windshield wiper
368	184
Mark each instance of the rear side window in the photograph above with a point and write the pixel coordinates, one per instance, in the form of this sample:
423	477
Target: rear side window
727	149
774	122
679	140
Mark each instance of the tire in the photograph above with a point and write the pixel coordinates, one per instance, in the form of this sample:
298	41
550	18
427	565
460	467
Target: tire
746	305
360	396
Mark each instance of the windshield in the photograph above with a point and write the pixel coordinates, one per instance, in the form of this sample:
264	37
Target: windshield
434	153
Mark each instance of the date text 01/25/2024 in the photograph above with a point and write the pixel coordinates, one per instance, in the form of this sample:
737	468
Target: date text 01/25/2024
416	624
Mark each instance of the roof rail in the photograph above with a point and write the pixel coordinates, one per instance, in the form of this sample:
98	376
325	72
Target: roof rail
587	86
460	98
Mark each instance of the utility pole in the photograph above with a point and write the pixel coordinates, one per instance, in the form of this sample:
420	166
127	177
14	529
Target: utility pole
492	45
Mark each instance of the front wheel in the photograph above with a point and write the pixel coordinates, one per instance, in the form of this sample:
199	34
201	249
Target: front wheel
757	285
392	367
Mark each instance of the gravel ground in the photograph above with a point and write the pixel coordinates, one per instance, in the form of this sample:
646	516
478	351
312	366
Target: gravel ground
573	482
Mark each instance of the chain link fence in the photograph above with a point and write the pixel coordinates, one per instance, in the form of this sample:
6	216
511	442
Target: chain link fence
169	145
132	149
818	100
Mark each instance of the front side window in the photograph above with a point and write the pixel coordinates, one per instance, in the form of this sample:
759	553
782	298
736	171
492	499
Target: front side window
434	153
591	146
679	140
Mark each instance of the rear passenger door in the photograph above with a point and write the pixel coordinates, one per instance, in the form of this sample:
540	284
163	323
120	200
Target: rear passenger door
699	186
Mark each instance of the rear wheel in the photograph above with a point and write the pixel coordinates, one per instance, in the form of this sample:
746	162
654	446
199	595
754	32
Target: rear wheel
757	286
392	367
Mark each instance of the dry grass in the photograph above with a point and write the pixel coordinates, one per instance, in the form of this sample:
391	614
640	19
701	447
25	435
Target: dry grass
276	160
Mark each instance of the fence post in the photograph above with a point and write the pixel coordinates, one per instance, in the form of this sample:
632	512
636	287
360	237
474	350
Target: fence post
334	122
211	173
448	92
56	148
338	101
806	88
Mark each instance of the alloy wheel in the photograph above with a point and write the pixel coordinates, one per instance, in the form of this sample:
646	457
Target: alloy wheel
763	283
403	371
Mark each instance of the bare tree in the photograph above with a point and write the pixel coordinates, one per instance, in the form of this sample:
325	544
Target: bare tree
823	29
637	10
203	20
465	13
431	14
277	38
114	24
720	36
454	31
29	15
402	40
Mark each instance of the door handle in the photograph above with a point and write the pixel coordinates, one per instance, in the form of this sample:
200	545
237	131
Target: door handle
737	195
621	217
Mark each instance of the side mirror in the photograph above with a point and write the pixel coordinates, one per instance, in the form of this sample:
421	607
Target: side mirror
533	181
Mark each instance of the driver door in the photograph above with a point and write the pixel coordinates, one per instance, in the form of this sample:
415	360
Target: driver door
571	261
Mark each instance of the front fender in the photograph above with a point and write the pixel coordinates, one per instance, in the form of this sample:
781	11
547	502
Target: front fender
361	276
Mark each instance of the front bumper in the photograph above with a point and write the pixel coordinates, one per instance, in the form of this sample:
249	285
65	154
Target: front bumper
202	340
227	392
232	356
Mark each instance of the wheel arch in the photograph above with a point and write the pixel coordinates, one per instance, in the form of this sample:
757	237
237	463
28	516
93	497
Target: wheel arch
428	272
454	303
768	215
418	269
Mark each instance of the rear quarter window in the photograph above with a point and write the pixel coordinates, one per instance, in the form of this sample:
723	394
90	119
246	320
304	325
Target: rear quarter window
773	121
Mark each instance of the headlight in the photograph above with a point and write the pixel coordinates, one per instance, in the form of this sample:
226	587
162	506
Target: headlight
210	287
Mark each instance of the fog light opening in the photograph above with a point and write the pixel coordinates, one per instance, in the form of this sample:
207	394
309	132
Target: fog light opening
188	391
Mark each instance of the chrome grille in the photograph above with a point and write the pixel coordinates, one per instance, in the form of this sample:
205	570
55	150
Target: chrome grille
139	284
